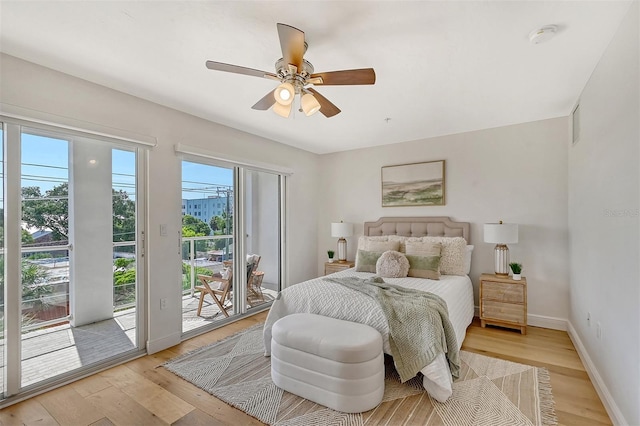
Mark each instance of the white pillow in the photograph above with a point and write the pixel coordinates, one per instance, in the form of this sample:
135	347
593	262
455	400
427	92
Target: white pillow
377	244
225	273
392	264
467	259
403	241
452	254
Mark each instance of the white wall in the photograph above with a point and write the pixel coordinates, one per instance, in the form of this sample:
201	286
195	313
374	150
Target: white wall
604	194
37	88
517	174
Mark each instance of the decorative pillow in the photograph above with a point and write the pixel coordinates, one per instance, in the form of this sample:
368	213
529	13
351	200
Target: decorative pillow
366	260
392	264
424	266
424	259
380	244
452	254
467	259
226	272
403	240
423	248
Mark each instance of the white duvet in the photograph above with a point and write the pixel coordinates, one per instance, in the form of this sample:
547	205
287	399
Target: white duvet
322	297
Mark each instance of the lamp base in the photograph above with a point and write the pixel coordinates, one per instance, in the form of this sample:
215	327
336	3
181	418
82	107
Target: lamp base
342	250
502	260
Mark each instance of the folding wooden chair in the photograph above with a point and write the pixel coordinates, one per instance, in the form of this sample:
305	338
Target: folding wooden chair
220	294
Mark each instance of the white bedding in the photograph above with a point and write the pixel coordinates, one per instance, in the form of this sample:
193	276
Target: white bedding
334	300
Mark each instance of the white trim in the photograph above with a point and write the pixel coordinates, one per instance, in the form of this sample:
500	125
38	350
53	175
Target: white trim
181	148
163	343
547	322
29	117
542	321
12	260
601	388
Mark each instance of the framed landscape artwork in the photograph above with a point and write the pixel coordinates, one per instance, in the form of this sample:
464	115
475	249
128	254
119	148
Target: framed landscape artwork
417	184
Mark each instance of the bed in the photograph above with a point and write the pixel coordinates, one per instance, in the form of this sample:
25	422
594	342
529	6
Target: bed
323	297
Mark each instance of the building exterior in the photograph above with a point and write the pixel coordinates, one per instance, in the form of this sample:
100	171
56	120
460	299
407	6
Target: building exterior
206	208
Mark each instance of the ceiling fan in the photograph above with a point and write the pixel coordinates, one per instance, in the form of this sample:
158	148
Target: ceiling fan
296	75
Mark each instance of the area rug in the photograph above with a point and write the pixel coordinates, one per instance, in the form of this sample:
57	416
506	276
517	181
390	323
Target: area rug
489	391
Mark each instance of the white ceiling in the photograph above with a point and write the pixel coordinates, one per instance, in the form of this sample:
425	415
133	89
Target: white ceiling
442	67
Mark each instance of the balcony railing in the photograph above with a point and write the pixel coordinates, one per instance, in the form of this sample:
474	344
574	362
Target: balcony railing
45	275
203	255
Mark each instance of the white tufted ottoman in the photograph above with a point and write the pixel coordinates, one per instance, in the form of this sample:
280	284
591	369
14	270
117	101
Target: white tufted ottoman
335	363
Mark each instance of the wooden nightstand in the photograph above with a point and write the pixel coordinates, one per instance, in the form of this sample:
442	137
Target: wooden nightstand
503	302
331	267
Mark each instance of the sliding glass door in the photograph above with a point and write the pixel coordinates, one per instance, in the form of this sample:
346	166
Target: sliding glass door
208	197
263	228
225	274
71	254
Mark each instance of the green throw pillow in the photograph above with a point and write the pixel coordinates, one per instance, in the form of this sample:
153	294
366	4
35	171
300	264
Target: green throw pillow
424	266
366	260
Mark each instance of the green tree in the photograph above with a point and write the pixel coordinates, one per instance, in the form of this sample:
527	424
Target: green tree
34	287
220	223
124	217
26	236
199	227
51	210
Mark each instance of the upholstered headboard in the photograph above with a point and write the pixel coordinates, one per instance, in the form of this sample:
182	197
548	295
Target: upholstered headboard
435	226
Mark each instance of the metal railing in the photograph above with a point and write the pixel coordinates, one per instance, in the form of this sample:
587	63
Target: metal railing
203	255
51	295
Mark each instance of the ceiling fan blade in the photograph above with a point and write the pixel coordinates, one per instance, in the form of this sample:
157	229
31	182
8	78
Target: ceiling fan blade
219	66
326	107
266	102
292	44
347	77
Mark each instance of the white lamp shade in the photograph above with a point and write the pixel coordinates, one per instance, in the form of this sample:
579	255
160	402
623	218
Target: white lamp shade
501	233
284	93
282	110
341	229
310	104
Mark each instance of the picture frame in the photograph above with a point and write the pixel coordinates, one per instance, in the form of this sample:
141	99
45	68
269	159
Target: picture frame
414	184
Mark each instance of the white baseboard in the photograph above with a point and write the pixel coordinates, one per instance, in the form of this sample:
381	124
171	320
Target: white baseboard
547	322
539	321
603	392
154	346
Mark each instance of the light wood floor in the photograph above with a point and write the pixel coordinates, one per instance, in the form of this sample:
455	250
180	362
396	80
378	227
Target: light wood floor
142	393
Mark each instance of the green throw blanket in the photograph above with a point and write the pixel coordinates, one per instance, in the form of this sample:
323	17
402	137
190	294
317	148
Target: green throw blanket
419	326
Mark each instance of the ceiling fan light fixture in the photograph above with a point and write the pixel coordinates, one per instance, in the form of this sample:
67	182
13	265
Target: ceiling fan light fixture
284	94
282	110
310	104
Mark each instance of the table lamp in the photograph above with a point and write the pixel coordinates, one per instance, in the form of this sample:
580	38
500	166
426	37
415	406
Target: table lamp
501	234
341	230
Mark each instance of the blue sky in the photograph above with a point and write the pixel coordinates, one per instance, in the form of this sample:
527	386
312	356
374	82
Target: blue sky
201	180
45	163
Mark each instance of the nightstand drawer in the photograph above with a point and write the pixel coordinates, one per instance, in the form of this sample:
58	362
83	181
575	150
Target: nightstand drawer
502	292
503	311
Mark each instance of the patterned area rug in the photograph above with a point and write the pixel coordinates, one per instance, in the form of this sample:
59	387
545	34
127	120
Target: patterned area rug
489	391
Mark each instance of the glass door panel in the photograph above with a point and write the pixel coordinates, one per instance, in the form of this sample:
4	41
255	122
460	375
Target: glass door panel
207	244
45	254
263	229
79	288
